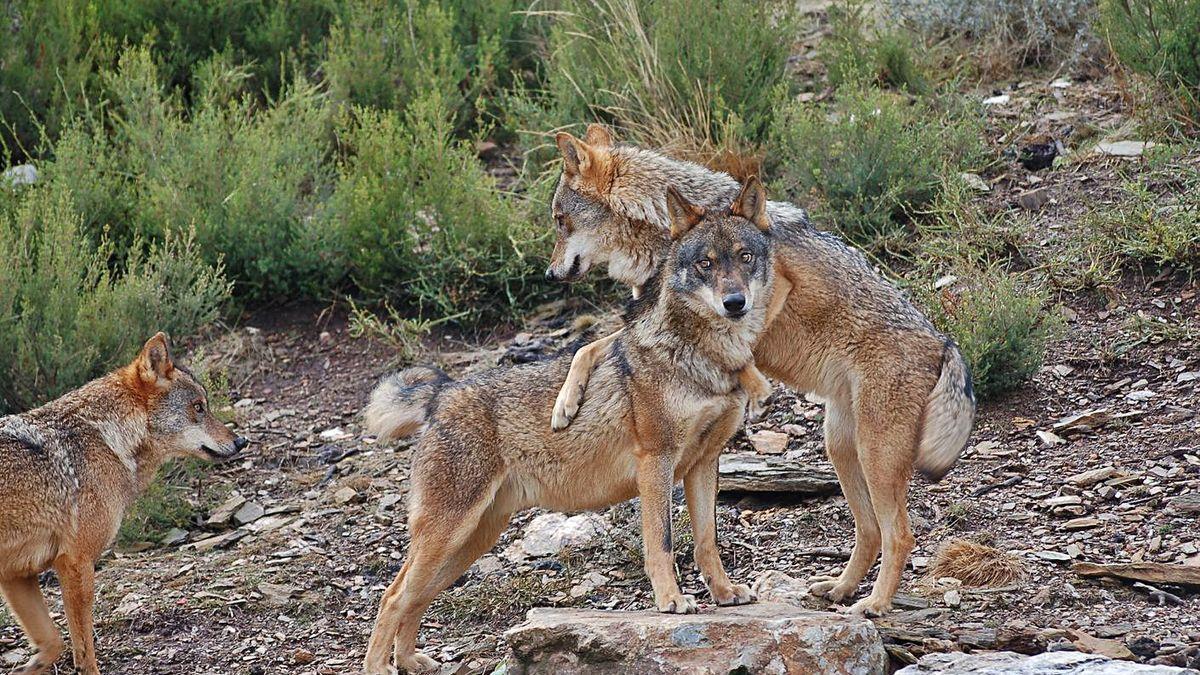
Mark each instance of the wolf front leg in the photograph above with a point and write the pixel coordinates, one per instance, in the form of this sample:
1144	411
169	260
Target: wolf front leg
655	476
700	486
78	579
29	606
566	406
757	388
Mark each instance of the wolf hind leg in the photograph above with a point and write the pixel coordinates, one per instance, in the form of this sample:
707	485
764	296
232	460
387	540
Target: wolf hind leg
841	444
480	541
29	606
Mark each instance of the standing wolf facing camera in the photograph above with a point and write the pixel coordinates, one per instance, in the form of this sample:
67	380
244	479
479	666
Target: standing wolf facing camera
68	471
660	409
897	393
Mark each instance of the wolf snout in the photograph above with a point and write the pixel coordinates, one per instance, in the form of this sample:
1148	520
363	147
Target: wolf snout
240	443
734	303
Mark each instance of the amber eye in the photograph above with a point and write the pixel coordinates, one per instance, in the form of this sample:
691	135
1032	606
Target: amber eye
704	264
747	257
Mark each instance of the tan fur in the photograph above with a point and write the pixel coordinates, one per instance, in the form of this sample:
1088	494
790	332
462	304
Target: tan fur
975	565
68	471
663	400
897	392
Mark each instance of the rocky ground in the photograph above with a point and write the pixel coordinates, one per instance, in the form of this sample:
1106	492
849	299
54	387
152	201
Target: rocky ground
1095	460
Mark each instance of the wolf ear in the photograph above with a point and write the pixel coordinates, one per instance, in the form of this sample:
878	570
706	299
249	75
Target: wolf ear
751	204
684	214
154	362
577	155
598	135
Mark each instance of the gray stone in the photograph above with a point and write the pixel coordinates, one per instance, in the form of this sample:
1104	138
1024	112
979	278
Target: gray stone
21	174
766	638
1050	663
250	512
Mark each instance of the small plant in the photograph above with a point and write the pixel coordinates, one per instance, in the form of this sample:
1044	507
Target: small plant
402	334
976	565
872	160
1156	222
999	321
172	499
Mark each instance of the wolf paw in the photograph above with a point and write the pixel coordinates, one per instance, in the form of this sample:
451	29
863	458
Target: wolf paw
566	406
870	607
738	594
755	409
832	590
679	604
417	663
41	662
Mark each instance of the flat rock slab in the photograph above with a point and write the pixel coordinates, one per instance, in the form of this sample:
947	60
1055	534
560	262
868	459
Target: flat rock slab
747	472
1049	663
762	638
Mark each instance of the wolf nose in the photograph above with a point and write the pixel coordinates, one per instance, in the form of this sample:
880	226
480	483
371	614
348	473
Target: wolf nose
240	442
734	302
550	276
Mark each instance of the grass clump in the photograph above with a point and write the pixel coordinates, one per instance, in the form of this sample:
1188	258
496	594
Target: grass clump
67	317
872	160
177	493
1000	322
673	75
1160	41
976	565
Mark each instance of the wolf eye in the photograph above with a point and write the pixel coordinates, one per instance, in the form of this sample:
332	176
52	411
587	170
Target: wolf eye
198	406
747	257
704	263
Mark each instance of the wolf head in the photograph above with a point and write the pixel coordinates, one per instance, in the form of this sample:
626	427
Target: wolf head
589	230
720	262
178	418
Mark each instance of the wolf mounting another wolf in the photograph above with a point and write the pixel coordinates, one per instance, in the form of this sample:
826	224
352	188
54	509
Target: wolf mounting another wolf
897	393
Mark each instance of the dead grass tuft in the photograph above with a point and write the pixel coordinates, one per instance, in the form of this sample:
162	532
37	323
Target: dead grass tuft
975	564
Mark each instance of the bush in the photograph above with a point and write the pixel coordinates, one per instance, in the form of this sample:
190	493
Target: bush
855	55
46	60
246	178
415	219
671	74
1012	32
65	317
1000	323
872	160
1160	39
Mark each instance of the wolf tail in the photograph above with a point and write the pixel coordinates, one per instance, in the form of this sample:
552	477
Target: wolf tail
949	414
401	402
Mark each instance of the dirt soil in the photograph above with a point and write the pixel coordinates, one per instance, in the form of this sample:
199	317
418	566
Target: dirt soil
295	591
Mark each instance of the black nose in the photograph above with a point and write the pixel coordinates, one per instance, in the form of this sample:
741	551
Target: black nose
240	442
550	274
734	303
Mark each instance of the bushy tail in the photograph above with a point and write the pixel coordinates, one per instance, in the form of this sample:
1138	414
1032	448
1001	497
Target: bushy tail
401	402
949	414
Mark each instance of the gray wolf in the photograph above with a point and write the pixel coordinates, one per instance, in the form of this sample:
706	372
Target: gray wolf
68	471
660	408
897	393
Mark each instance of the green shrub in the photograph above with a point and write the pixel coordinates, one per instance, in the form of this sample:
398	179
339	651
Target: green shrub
274	40
1156	37
416	220
246	178
1000	322
670	73
66	318
46	60
855	55
871	159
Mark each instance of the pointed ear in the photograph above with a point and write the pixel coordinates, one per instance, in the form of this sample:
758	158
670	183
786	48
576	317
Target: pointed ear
599	136
751	204
577	156
154	363
684	214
